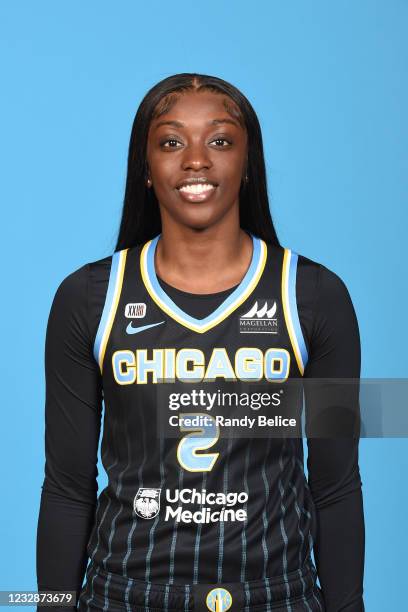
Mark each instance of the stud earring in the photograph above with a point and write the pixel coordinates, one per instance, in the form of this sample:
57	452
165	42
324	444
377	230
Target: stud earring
149	183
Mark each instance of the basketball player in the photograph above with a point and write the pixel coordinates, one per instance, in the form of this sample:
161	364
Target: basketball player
206	507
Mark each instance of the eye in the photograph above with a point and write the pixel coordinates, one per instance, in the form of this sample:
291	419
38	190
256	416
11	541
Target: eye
221	139
163	143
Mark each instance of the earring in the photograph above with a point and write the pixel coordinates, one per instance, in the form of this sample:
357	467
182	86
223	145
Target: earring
149	183
246	178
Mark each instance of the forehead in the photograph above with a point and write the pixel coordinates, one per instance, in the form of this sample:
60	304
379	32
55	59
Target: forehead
195	107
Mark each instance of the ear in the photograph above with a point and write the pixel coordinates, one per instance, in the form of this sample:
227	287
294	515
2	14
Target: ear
147	175
245	175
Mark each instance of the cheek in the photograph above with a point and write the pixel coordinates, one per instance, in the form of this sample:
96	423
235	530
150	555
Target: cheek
163	171
231	168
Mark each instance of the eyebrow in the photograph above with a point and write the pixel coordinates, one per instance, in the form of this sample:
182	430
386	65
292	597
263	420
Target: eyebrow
179	124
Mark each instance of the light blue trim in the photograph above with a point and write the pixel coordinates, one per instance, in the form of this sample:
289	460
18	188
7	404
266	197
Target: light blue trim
293	307
110	294
238	291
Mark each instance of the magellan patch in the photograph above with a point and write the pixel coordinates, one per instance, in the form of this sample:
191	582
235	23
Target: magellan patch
260	318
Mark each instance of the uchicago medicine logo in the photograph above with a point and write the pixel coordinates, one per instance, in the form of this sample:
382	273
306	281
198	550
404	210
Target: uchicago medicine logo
202	506
146	503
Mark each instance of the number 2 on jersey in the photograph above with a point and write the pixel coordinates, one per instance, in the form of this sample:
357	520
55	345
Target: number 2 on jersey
200	437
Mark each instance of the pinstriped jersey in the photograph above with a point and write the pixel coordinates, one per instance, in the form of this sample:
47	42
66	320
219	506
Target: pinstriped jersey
195	492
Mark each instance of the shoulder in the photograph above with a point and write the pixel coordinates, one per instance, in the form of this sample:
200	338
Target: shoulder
323	299
75	285
78	300
315	283
331	294
324	282
324	302
328	321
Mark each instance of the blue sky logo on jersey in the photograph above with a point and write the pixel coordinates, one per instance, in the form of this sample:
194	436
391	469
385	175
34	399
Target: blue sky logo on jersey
260	318
219	600
146	503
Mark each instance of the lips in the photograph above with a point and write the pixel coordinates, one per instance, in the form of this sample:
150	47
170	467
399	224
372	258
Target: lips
195	180
196	190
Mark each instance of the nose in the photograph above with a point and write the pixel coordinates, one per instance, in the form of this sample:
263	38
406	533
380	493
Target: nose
196	157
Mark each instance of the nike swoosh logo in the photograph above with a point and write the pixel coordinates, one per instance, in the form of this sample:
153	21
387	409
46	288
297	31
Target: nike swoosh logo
135	330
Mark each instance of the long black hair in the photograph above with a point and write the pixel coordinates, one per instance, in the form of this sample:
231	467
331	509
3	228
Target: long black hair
141	215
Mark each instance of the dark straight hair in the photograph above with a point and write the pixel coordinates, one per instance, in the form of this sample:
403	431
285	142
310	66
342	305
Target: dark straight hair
141	214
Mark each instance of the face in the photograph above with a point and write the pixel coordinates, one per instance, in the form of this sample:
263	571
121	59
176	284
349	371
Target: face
197	141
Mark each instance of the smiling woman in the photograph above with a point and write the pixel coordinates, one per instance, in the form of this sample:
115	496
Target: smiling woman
199	296
210	148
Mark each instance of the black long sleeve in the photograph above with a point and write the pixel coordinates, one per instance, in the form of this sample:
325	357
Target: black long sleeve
73	419
334	476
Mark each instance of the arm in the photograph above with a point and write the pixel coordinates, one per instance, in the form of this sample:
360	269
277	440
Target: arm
334	476
72	427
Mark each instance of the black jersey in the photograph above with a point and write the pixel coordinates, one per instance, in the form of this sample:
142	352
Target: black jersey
200	508
202	504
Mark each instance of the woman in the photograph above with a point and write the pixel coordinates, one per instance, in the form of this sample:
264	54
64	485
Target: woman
199	301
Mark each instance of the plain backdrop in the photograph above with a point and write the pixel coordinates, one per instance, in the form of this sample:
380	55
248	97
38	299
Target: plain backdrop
329	84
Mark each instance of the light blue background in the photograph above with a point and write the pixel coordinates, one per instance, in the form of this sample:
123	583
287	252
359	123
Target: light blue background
328	81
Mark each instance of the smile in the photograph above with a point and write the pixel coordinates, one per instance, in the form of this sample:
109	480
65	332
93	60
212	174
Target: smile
196	193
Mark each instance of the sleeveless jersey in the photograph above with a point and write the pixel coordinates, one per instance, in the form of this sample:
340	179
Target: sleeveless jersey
190	499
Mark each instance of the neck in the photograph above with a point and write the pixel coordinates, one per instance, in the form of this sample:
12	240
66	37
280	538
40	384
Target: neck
203	261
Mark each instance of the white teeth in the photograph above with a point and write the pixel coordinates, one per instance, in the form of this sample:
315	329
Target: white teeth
198	188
